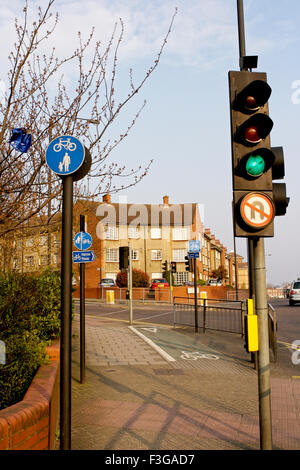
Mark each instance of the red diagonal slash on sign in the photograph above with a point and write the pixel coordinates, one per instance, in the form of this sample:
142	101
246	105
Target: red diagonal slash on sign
255	208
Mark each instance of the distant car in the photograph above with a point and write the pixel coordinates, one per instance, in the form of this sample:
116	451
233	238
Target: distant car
160	283
214	282
294	295
107	282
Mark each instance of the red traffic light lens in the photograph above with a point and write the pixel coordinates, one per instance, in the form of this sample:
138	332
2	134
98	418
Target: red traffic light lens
252	135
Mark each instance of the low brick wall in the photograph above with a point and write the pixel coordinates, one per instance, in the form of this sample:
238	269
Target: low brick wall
31	423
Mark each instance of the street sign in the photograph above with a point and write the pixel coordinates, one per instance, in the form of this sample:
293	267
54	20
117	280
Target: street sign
193	255
83	241
194	246
257	210
65	155
83	256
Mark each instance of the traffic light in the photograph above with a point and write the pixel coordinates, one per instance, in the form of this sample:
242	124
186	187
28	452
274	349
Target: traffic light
188	264
123	257
256	199
173	266
165	267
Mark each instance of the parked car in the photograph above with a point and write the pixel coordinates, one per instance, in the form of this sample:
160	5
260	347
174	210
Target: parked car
214	282
160	283
107	282
294	295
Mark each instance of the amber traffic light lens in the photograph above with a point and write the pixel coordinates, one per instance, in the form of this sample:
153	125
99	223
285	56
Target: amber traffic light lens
252	135
251	102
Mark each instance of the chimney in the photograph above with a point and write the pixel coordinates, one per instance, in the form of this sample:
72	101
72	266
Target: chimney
166	200
106	198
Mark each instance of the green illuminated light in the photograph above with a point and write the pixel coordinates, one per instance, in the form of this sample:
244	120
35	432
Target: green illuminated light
255	165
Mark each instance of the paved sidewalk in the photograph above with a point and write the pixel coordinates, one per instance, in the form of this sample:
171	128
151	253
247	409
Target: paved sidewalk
136	398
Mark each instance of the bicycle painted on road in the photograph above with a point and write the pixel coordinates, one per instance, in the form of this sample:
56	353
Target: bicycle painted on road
193	356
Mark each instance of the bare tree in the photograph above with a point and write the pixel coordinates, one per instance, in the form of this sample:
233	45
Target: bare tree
39	101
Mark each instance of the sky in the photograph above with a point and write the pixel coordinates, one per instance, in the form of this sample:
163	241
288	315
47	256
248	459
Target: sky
185	126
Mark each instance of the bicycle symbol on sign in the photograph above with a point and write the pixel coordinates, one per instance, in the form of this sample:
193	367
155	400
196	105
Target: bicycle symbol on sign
67	144
193	356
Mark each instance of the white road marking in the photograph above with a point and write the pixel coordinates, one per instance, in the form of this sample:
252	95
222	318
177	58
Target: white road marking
153	345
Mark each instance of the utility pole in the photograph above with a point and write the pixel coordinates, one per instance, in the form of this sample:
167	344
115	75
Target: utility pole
82	309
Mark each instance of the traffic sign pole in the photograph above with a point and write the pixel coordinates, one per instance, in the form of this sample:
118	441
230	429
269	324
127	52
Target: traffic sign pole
82	311
66	314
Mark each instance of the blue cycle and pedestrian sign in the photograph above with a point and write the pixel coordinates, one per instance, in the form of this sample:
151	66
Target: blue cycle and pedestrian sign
83	241
83	256
65	155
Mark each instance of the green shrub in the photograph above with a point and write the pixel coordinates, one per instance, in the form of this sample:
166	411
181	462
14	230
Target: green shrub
29	319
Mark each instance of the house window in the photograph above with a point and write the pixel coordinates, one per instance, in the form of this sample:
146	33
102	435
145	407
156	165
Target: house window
43	240
133	232
29	260
29	242
112	232
112	255
181	233
178	255
156	232
156	255
135	255
181	277
44	260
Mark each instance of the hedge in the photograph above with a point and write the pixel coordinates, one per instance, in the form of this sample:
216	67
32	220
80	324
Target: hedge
29	319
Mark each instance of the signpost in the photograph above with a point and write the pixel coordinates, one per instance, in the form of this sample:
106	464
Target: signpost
67	157
83	256
194	251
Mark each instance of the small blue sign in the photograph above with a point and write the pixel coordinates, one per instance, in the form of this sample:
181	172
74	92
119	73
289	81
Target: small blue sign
83	241
194	246
193	255
65	155
83	256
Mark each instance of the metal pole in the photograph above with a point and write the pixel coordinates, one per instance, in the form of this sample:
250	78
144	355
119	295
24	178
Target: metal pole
261	305
66	314
130	283
241	28
82	311
196	295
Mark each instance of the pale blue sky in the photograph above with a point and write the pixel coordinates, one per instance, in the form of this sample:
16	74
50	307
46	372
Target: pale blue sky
185	125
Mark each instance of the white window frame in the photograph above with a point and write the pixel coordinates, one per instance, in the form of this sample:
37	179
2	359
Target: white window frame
156	255
112	232
133	232
178	255
112	255
155	233
181	233
181	277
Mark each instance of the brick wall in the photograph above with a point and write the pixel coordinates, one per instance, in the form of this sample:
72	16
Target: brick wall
31	423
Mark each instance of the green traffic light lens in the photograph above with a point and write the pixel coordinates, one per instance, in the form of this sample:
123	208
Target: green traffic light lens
255	165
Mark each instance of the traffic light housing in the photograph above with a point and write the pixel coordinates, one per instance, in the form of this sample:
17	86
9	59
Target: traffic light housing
188	264
123	257
173	266
256	199
165	267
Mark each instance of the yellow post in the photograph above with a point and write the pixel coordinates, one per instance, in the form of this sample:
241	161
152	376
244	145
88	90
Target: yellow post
252	328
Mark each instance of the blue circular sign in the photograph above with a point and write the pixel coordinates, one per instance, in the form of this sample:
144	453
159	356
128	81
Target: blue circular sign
65	155
83	240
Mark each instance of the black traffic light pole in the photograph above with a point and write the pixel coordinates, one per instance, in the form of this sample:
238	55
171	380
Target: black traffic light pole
196	296
82	310
261	304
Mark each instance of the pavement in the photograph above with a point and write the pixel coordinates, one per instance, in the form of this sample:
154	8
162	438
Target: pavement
154	387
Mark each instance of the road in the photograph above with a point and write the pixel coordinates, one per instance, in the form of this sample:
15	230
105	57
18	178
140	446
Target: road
288	318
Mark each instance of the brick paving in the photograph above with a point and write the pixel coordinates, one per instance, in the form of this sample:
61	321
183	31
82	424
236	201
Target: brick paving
133	398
